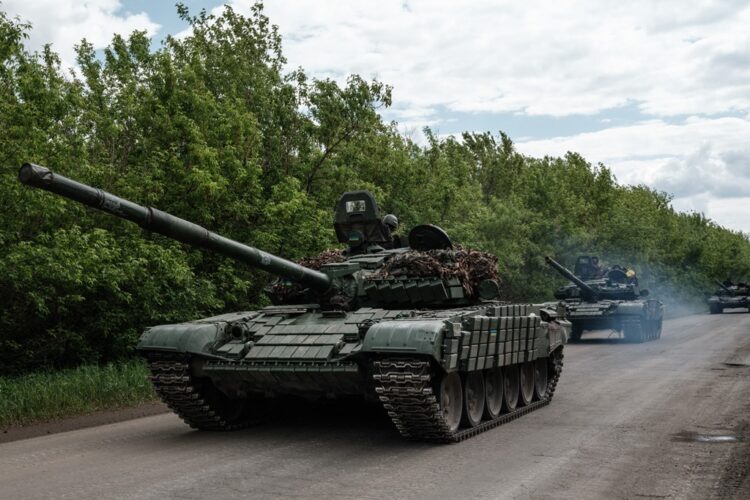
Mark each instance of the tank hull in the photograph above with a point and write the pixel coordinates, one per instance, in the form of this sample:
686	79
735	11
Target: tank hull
717	303
212	371
636	320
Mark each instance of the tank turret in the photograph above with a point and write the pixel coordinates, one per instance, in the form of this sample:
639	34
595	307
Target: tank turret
586	291
724	287
362	275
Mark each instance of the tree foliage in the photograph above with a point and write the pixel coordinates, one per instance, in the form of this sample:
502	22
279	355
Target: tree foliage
211	128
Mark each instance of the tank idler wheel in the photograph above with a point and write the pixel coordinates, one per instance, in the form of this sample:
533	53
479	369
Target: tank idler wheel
716	308
493	393
451	400
511	386
576	331
659	325
540	377
473	398
527	383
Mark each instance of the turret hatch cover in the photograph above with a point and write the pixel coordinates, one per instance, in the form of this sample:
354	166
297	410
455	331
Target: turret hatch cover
428	237
617	276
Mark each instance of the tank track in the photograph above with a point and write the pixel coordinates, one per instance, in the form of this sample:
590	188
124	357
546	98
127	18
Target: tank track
639	330
405	387
178	389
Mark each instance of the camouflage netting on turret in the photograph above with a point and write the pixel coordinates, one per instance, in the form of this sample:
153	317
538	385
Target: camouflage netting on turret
318	261
471	267
282	290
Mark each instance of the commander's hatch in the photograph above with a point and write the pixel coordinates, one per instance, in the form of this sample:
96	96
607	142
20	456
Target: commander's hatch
428	237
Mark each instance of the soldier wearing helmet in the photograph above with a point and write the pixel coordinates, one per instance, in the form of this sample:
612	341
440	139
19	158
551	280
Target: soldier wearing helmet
390	222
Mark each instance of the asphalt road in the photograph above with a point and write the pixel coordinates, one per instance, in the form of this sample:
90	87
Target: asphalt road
665	419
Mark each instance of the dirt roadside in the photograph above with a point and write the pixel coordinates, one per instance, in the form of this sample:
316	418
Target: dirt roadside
103	417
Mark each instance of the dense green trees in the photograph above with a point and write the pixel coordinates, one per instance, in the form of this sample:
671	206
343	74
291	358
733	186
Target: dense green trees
212	129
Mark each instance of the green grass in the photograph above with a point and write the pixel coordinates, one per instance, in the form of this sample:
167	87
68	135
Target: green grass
43	396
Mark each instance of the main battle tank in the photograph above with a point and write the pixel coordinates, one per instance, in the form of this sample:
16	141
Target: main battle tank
446	359
608	300
728	297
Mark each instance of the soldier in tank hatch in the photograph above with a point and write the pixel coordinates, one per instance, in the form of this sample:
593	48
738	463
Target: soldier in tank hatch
632	277
390	222
596	268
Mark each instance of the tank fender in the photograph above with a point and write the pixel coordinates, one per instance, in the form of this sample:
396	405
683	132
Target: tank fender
193	338
406	336
559	333
634	307
196	337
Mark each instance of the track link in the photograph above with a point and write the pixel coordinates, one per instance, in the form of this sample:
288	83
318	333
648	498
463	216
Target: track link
187	397
405	386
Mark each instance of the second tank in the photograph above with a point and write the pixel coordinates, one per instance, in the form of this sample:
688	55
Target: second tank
599	299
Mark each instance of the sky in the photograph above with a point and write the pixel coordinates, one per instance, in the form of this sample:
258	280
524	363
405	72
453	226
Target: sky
657	91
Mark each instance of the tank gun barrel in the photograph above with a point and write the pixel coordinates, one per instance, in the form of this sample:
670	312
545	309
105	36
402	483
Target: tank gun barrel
726	288
588	292
170	226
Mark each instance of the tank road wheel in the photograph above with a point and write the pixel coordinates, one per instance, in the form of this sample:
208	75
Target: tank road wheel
451	400
473	398
510	387
575	332
527	383
540	377
493	393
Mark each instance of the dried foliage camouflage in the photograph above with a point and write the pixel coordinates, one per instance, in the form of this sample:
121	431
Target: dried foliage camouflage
470	266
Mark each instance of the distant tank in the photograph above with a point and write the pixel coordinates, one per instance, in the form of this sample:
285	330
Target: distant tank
608	299
729	296
419	328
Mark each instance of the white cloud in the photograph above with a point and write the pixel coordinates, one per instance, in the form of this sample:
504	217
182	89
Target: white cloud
537	57
703	162
558	59
65	22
